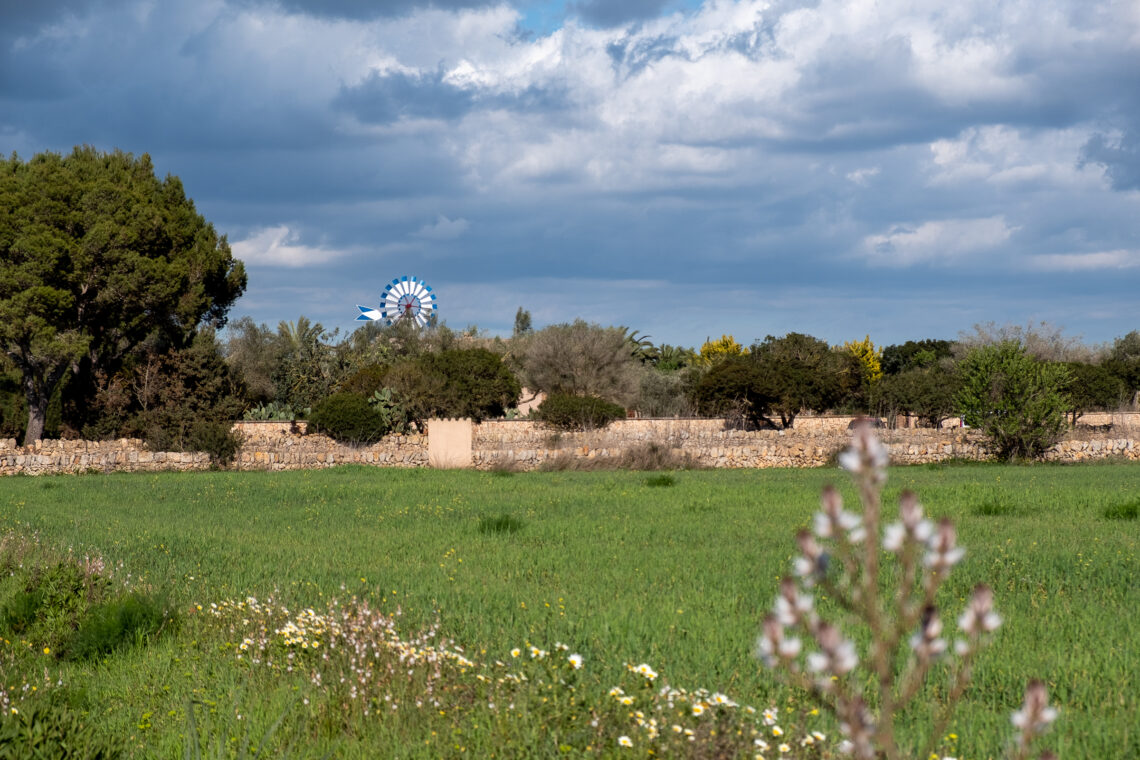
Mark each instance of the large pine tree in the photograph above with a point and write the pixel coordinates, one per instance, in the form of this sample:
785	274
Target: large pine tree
96	254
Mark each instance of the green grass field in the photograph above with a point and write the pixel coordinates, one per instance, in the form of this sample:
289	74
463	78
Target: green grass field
623	567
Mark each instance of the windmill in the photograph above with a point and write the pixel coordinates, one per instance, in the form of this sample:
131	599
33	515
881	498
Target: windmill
404	299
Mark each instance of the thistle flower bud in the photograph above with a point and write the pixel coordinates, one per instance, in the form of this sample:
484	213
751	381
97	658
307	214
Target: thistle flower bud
833	521
910	510
1035	714
772	646
912	527
943	553
813	564
926	643
979	616
792	607
858	725
867	454
837	655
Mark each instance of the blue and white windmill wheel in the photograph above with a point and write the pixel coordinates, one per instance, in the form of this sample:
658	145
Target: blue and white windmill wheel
404	298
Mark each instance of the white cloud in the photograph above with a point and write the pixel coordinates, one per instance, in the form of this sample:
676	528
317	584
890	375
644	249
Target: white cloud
940	242
277	247
1002	155
861	176
740	134
443	229
727	75
1083	262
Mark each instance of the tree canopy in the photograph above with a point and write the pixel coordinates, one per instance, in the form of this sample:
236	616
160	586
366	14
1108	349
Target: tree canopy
800	372
96	255
914	354
582	359
461	382
1017	400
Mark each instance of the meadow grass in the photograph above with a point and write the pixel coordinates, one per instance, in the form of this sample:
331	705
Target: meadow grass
619	568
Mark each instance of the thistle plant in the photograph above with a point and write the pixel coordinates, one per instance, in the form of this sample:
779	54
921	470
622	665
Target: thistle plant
841	556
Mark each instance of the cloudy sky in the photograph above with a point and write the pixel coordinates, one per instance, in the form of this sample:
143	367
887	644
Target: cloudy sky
903	168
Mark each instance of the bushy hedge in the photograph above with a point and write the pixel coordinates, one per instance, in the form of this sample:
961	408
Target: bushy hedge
54	731
217	439
348	418
1018	401
70	611
465	382
118	623
734	389
568	412
366	380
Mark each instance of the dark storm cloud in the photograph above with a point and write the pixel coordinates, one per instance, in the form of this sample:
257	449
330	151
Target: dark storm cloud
389	97
150	82
853	99
343	173
1120	158
26	78
23	16
25	72
156	121
384	98
607	13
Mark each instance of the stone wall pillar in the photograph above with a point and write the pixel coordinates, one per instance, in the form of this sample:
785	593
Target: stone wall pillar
450	444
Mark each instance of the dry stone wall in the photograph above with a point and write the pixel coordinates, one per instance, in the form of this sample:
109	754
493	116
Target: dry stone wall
813	442
50	457
266	446
526	445
1118	421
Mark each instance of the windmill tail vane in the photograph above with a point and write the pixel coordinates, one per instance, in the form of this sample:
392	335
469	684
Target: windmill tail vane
404	298
367	314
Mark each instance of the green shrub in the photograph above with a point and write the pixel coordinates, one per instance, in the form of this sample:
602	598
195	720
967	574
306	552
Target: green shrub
59	592
158	438
666	394
118	623
53	732
214	438
661	481
366	380
641	458
217	439
396	418
464	382
1129	511
51	604
1016	400
349	418
276	412
653	456
566	412
498	525
733	389
994	508
19	611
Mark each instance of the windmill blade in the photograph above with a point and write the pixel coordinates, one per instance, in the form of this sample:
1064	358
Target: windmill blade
368	314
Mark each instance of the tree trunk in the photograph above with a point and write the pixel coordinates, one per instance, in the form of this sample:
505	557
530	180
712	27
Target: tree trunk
38	392
37	416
